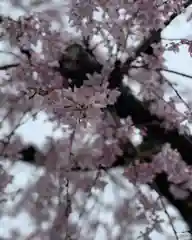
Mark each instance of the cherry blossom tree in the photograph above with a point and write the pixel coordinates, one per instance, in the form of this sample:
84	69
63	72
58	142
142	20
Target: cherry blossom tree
56	73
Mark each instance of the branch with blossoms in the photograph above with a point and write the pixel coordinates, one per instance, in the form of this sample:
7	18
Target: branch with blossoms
78	108
154	37
65	86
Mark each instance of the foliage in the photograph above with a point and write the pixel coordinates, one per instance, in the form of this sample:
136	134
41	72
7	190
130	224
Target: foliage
60	75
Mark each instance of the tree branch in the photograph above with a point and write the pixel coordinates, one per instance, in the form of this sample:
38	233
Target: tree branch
155	37
7	66
162	69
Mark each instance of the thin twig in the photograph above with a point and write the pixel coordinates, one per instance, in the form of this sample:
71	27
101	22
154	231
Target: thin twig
168	82
170	220
7	66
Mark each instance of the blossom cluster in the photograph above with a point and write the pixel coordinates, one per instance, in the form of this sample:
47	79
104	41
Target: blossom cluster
96	136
